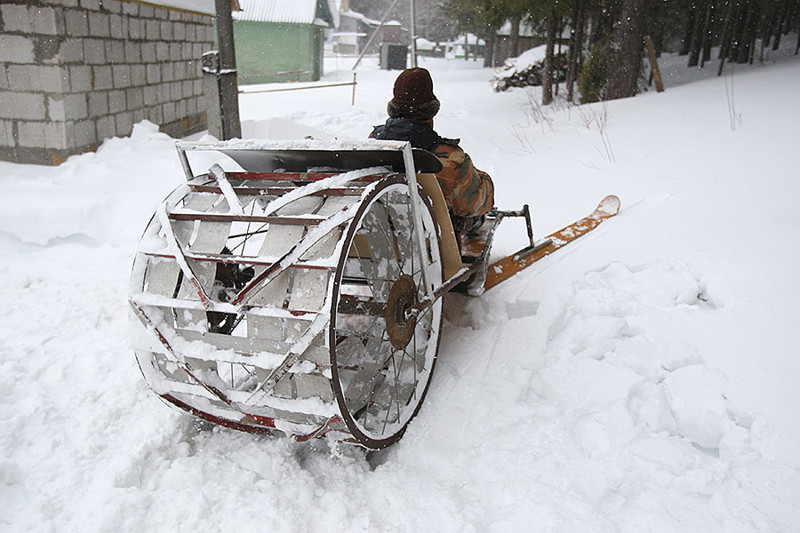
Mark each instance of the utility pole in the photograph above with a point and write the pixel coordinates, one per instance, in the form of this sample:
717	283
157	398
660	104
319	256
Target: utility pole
228	86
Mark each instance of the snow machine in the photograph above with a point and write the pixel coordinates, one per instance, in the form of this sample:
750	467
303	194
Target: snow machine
299	291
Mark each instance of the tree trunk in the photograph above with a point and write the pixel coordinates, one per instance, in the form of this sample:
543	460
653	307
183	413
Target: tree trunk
627	61
547	68
708	33
575	48
698	27
488	50
686	42
749	34
514	41
655	72
727	37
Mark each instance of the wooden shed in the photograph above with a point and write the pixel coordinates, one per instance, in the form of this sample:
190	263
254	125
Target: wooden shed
280	40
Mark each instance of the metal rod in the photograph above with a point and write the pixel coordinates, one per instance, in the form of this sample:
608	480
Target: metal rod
375	34
413	193
342	84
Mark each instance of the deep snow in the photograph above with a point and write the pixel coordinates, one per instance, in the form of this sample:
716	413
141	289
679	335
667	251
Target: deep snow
642	379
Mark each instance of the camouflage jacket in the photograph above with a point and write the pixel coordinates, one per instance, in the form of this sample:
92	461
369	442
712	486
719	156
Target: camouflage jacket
468	191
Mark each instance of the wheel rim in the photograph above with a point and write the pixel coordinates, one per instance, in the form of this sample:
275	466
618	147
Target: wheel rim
383	348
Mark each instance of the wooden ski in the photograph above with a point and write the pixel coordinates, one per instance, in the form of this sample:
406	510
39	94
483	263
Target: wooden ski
508	266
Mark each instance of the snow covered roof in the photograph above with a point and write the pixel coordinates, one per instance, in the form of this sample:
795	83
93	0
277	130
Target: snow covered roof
287	11
206	7
361	17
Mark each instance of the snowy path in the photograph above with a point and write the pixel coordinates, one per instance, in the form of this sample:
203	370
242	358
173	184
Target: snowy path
643	379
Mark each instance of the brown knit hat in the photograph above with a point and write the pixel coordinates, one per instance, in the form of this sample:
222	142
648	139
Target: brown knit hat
413	95
413	86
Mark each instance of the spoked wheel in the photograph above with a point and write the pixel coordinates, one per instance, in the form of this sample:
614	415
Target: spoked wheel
383	343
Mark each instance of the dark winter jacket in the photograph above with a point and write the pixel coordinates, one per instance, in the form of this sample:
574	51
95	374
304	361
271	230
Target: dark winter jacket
468	191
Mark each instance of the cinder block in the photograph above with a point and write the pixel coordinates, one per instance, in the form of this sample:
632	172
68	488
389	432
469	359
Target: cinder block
80	78
139	115
175	91
31	134
150	95
148	52
133	52
166	30
94	51
136	28
167	71
122	76
198	87
124	124
146	11
55	135
115	28
155	115
180	109
138	76
16	49
7	133
16	18
76	23
81	133
190	32
55	108
179	31
75	106
186	88
26	106
115	52
162	51
169	112
40	78
43	20
106	127
187	51
98	103
99	25
70	51
113	6
153	74
116	101
3	78
102	77
161	13
163	92
174	50
135	97
130	8
152	30
179	68
93	5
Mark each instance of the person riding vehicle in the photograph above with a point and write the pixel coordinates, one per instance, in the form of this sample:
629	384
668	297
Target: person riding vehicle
468	192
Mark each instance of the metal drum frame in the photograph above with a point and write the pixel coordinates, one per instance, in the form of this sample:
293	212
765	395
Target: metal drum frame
292	299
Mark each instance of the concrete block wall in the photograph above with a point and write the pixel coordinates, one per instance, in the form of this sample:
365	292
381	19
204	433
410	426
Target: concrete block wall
75	72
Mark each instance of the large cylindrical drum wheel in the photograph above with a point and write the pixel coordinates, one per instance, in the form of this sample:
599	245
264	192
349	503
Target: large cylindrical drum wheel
384	332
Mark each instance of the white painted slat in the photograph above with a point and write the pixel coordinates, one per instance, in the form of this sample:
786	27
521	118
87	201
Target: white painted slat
280	239
309	289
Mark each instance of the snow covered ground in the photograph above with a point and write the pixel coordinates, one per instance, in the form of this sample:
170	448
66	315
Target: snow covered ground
643	379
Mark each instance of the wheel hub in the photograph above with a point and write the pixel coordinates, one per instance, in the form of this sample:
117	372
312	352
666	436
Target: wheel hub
400	319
